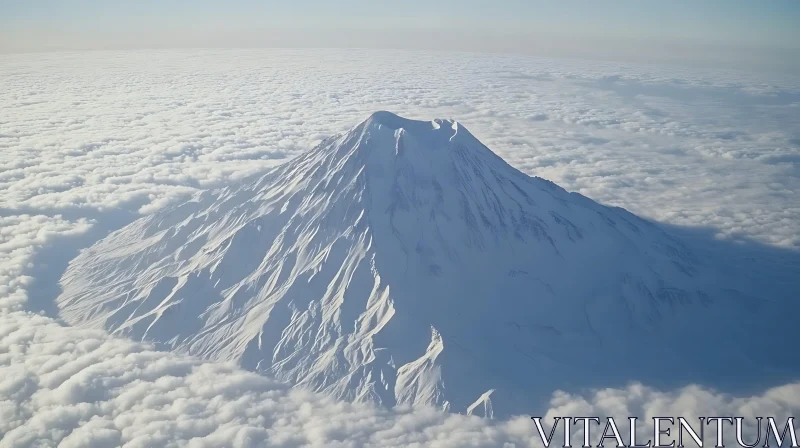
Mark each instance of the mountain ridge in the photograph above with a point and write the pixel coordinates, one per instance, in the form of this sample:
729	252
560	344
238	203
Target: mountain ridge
403	262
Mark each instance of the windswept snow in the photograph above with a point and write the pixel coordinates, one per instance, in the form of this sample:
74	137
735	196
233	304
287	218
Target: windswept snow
403	262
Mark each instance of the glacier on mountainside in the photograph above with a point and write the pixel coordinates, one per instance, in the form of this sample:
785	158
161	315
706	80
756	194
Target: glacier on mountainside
403	262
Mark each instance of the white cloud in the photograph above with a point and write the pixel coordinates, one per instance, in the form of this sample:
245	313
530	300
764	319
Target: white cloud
94	133
121	129
84	388
20	237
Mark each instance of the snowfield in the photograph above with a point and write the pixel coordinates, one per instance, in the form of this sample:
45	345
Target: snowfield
403	262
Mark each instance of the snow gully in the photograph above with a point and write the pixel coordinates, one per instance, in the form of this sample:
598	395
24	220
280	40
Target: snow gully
663	436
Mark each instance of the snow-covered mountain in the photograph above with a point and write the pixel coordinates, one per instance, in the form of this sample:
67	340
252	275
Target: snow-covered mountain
404	262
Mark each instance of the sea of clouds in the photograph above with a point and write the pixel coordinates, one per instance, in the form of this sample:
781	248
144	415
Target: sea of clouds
88	141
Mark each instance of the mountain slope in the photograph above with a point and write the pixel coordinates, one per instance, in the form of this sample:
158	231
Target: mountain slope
404	262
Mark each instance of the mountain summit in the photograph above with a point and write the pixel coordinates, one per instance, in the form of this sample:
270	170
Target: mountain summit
403	262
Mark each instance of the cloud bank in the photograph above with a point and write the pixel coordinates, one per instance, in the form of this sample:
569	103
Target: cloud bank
93	134
101	130
69	387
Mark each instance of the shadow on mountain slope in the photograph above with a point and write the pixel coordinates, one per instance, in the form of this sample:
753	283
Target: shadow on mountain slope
51	260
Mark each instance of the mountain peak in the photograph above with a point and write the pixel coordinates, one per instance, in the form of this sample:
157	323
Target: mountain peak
394	121
434	132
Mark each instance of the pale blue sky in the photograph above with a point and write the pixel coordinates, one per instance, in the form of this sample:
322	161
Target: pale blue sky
674	29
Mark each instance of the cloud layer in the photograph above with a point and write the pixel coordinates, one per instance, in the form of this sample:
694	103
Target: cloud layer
111	129
81	388
88	135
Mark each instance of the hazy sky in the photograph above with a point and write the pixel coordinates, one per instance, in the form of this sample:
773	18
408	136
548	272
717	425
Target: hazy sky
711	31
